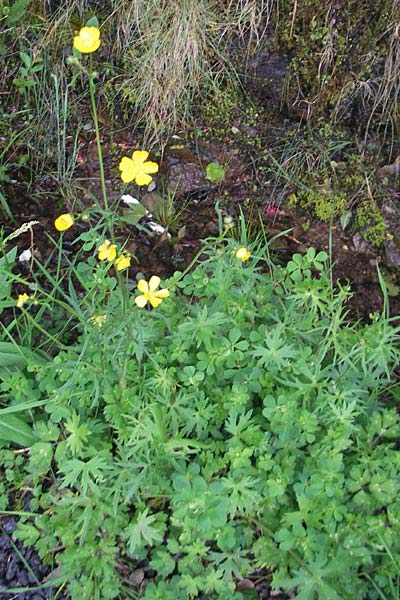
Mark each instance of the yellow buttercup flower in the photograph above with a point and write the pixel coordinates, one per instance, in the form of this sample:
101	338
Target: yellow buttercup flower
88	40
243	254
64	222
22	298
98	320
137	168
107	251
123	262
150	293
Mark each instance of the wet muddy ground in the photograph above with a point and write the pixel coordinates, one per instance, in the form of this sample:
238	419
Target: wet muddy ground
183	212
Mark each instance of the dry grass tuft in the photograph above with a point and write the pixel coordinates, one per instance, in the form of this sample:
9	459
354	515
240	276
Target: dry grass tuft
166	52
173	49
386	99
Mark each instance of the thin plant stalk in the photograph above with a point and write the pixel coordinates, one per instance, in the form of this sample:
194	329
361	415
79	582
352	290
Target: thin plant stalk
92	89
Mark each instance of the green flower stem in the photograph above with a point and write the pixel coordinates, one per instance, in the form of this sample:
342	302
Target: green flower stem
92	88
124	291
43	331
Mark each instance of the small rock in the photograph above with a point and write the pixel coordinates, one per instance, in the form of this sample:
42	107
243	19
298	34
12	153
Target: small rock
22	579
245	584
252	132
389	210
9	524
359	244
137	576
11	570
186	177
392	170
392	254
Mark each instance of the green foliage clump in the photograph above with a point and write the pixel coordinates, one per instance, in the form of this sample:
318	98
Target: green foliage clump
11	475
221	106
326	204
242	424
369	221
331	179
12	12
215	172
346	66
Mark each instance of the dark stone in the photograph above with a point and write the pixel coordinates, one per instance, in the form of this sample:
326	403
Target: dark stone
11	570
23	578
9	524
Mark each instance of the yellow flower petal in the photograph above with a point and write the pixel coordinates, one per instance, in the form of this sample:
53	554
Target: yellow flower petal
143	286
22	298
88	40
125	163
139	156
128	168
127	176
122	262
143	179
155	301
162	293
154	282
64	222
243	254
107	251
141	301
150	167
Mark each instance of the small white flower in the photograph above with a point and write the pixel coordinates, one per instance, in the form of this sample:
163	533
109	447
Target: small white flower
128	199
157	228
25	256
